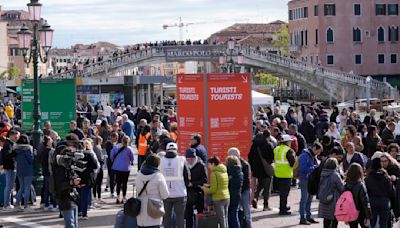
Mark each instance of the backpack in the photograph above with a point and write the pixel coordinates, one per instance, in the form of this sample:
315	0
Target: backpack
325	194
346	210
313	181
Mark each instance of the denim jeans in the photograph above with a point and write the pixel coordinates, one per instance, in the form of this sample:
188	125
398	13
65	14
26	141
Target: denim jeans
233	218
71	218
48	198
25	183
84	193
305	201
10	179
246	207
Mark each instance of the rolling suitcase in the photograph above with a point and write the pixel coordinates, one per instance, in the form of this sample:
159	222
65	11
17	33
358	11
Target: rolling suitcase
208	219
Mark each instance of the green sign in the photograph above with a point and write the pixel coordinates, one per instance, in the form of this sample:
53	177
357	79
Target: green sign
57	104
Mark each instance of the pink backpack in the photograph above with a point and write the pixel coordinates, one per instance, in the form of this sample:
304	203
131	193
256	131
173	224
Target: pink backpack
346	210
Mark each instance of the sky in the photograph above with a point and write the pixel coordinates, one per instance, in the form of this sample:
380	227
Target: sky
125	22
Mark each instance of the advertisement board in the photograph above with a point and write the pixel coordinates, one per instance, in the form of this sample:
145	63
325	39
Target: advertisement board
57	104
229	113
190	110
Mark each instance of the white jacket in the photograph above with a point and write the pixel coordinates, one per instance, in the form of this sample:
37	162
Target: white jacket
156	189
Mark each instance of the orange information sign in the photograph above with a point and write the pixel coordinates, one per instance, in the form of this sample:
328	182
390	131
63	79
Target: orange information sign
190	109
229	113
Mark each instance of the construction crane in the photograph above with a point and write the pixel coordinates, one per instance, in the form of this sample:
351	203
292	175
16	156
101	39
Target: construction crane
181	25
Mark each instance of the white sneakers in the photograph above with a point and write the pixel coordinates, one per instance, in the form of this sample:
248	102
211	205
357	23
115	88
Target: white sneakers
9	208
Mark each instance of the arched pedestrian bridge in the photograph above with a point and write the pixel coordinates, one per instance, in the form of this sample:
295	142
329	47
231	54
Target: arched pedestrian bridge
323	82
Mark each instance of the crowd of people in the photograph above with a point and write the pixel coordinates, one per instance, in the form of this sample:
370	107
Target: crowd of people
329	155
304	147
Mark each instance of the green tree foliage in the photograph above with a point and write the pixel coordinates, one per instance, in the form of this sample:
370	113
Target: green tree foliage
281	41
11	74
267	79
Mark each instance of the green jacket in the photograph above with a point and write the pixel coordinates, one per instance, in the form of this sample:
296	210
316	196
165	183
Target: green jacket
219	183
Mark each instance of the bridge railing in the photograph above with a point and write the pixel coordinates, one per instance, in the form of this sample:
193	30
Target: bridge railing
299	65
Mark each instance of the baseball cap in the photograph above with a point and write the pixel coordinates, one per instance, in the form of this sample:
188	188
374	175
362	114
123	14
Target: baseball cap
172	147
286	138
98	122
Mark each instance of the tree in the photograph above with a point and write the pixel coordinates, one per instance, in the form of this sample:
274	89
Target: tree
267	79
11	74
281	41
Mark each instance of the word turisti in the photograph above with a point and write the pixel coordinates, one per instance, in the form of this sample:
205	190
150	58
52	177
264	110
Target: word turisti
188	94
225	94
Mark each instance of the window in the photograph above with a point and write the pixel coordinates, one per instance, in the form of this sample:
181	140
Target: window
393	58
356	35
316	10
393	9
316	36
381	58
311	59
394	33
357	9
329	35
290	15
329	9
305	14
329	59
302	38
380	9
306	35
357	59
381	34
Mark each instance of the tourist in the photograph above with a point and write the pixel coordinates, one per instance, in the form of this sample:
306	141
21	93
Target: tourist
235	175
350	136
109	146
333	131
46	156
195	142
372	142
75	130
128	127
352	156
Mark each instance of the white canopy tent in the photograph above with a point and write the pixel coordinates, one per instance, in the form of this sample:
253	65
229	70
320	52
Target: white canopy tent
261	98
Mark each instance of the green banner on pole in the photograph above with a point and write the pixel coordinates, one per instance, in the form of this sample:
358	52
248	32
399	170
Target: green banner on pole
57	104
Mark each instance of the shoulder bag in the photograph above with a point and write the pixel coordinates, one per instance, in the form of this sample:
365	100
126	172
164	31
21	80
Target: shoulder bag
268	168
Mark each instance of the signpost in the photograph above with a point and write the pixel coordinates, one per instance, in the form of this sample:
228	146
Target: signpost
190	97
224	101
57	104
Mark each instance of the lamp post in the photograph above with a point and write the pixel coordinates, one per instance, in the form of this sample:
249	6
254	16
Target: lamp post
230	65
368	80
35	47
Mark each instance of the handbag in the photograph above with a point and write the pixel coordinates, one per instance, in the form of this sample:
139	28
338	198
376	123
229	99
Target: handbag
155	208
268	168
133	205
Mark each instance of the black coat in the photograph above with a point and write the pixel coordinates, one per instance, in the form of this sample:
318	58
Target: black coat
235	184
198	175
267	152
45	161
7	155
307	129
66	195
246	174
87	176
361	199
379	185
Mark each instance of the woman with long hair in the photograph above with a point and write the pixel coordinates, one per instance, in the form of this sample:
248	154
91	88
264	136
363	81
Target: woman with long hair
355	184
105	131
121	158
372	142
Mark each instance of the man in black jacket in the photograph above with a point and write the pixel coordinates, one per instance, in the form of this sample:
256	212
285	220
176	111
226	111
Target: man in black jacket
7	162
245	185
261	147
111	176
198	174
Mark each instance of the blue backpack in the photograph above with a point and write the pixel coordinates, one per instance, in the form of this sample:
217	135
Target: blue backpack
124	221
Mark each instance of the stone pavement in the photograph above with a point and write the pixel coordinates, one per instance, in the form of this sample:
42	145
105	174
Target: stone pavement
105	216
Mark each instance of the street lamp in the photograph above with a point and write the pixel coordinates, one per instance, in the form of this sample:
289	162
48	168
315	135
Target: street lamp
230	64
35	47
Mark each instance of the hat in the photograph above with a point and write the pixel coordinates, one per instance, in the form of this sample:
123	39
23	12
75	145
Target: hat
286	138
119	118
190	153
172	147
98	122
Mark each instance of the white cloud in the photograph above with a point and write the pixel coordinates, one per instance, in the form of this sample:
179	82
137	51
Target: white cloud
132	21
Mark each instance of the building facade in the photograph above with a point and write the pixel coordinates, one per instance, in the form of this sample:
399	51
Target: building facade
360	36
3	47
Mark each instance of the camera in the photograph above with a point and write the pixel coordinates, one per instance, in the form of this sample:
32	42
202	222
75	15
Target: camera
71	160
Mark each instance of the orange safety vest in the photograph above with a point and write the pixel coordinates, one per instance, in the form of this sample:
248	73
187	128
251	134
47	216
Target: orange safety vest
143	146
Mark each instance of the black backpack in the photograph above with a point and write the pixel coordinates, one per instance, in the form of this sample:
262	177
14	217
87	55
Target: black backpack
313	181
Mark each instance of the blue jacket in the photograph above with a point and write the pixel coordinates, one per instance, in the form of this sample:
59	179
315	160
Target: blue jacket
122	161
24	159
307	163
235	184
128	128
201	152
